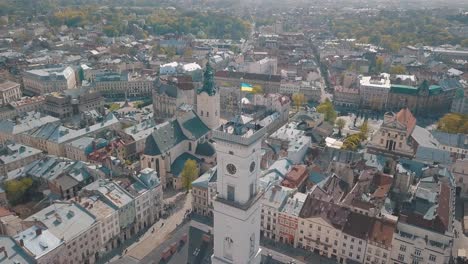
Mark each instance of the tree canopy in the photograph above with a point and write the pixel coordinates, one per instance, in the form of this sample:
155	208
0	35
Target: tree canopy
395	29
189	174
453	123
298	100
328	110
16	190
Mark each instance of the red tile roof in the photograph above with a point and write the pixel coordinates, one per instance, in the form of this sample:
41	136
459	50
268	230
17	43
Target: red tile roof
295	177
406	118
382	232
5	212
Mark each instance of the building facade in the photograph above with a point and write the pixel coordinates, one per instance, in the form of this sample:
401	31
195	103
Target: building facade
48	80
9	92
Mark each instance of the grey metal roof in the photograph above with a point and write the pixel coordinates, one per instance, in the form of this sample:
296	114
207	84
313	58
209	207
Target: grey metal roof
65	220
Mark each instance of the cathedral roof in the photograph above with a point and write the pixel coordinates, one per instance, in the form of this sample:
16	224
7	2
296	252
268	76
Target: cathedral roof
164	138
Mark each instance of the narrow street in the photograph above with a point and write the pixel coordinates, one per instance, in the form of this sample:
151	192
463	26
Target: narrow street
151	241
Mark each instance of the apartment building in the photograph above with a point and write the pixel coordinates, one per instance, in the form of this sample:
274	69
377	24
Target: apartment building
48	80
81	241
73	102
14	156
374	91
9	92
204	191
123	85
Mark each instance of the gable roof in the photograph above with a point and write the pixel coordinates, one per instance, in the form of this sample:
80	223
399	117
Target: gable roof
193	124
406	118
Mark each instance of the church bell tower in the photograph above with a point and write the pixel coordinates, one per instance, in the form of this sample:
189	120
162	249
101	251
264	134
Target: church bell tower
208	105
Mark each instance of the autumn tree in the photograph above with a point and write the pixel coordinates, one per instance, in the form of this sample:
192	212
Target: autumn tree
257	89
398	69
189	174
328	110
379	63
364	130
340	123
298	100
16	189
453	123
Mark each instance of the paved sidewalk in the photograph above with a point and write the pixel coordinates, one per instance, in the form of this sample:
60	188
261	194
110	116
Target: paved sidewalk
151	241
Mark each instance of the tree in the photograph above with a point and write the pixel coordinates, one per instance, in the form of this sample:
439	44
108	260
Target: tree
328	110
188	53
398	69
352	142
379	64
257	89
189	174
298	100
16	190
453	123
464	43
114	107
364	130
340	123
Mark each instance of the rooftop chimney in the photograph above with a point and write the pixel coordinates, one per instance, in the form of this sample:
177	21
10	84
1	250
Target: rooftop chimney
38	232
21	242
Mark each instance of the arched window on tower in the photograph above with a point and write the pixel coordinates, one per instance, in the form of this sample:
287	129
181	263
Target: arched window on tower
207	114
201	113
190	146
157	166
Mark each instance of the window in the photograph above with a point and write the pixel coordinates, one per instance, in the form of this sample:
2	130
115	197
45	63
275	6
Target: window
251	190
350	254
432	258
417	252
403	248
401	257
231	193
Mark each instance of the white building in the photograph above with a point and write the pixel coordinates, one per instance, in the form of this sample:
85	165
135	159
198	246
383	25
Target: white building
9	92
237	205
148	194
14	156
168	68
263	66
76	227
374	91
47	80
41	244
424	232
107	217
292	142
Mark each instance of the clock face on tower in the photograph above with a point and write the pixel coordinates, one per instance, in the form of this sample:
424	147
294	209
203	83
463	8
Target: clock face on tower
231	168
252	166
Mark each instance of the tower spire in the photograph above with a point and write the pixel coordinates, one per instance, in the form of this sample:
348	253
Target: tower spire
209	85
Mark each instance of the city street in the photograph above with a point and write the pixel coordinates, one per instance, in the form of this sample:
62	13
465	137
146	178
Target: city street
151	242
179	257
460	242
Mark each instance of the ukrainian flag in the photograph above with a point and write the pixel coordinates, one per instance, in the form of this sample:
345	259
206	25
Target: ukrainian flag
245	87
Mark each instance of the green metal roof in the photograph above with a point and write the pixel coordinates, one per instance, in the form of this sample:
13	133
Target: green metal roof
403	89
406	89
205	149
196	127
179	163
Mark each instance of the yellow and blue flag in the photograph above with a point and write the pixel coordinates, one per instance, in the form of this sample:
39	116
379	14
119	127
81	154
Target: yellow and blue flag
245	87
